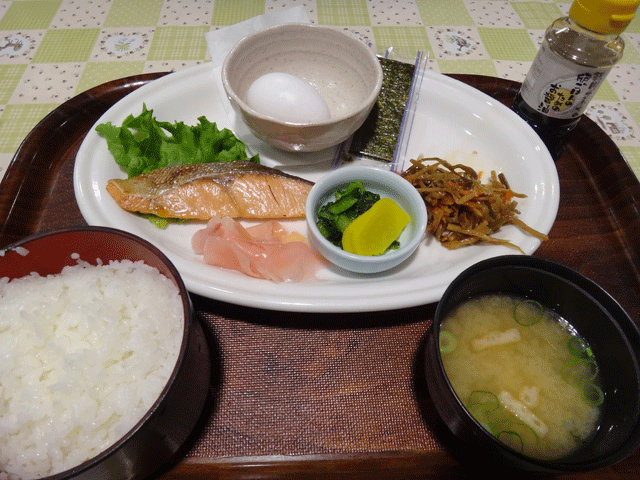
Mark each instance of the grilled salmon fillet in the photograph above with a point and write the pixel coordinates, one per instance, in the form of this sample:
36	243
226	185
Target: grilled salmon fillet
200	191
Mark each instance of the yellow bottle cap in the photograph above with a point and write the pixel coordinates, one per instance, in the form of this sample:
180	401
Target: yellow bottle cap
604	16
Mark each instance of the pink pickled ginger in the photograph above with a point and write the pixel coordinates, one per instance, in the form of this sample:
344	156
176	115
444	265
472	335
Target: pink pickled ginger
263	251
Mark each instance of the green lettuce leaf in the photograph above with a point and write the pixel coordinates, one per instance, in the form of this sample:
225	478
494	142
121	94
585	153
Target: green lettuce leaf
143	143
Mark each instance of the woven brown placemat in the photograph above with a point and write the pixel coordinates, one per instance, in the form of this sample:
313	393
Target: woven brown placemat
310	391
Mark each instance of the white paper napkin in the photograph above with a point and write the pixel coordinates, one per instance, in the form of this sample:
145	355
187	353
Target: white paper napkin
220	42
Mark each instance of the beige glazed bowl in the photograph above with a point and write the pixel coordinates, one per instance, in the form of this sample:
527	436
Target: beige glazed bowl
344	70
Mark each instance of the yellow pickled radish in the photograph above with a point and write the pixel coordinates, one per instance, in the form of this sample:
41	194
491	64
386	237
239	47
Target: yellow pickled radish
372	232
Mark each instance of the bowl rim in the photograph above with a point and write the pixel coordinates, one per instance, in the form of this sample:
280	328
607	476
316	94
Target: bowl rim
371	98
628	328
188	325
333	180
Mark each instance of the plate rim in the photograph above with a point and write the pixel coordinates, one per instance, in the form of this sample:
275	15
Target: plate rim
421	295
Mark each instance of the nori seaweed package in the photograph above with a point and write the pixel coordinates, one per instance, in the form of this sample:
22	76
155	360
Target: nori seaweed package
379	136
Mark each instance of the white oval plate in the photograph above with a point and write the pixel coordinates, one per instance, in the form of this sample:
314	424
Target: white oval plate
453	121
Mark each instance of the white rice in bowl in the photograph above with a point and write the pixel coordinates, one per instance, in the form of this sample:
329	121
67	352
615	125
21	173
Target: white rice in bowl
84	354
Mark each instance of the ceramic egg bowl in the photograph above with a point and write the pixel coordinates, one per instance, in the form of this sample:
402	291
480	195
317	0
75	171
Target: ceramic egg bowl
610	332
386	184
344	70
158	435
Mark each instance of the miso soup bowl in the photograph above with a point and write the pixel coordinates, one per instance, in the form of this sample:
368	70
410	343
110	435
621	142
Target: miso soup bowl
597	317
152	443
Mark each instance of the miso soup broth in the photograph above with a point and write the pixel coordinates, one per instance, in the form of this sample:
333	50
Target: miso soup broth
523	373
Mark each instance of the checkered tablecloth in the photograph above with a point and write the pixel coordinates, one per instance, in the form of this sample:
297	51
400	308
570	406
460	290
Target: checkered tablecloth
51	50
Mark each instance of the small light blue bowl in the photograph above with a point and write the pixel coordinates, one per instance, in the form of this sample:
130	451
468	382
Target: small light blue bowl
386	184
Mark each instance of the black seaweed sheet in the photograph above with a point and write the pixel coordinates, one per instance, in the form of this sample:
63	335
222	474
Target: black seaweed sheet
378	136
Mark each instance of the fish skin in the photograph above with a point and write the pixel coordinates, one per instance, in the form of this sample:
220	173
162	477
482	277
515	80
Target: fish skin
237	189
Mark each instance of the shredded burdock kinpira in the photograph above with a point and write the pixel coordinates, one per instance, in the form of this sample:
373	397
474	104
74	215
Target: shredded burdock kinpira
462	210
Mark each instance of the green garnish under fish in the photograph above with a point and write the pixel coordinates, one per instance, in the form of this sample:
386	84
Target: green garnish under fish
143	144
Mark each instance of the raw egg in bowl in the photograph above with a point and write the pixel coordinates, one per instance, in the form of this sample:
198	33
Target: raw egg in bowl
302	87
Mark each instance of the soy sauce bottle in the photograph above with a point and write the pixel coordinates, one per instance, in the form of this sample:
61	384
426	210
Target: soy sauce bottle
576	54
